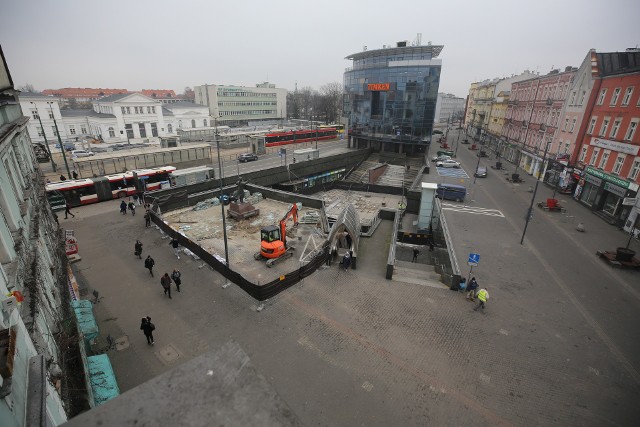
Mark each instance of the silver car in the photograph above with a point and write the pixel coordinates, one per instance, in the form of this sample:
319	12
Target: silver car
81	153
448	164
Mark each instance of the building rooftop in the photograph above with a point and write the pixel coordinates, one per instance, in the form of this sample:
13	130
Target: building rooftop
184	104
71	92
159	93
84	112
434	50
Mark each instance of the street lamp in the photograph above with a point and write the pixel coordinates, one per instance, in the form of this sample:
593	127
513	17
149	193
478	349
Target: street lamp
44	134
533	197
64	156
125	132
224	222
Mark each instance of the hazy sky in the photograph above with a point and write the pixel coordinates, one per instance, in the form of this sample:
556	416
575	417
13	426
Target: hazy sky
141	44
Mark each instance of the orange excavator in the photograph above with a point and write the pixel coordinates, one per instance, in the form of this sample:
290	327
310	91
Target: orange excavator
273	239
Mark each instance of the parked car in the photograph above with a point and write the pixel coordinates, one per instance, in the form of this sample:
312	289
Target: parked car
81	153
247	157
451	192
448	164
481	172
465	141
68	146
441	158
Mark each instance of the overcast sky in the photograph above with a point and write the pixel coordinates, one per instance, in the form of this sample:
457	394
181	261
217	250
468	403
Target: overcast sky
159	44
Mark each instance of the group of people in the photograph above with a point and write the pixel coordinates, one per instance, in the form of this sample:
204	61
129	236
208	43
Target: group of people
473	291
149	263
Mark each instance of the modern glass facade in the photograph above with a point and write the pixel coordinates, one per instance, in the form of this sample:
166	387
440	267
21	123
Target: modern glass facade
391	95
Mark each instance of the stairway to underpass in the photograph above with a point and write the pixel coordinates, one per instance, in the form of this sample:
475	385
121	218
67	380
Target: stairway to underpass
418	274
394	176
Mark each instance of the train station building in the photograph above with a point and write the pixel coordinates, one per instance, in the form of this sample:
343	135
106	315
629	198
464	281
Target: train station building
390	97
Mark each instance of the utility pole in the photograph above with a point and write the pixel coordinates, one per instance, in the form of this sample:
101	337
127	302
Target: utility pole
64	156
533	197
44	134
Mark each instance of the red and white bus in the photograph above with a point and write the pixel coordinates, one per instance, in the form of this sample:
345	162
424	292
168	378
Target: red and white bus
299	136
79	192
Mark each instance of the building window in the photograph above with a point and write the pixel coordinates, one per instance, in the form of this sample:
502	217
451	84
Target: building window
605	125
179	124
635	169
112	133
616	95
573	124
124	111
619	162
51	114
154	129
153	110
204	122
627	96
573	99
193	123
604	159
592	125
584	93
169	128
40	131
129	128
615	127
35	115
128	110
83	129
594	156
72	130
143	131
566	124
148	110
603	93
631	130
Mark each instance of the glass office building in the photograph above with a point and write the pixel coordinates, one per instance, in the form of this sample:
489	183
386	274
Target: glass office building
390	97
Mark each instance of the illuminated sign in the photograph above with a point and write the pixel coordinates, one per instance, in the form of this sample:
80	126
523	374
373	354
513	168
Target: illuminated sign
378	86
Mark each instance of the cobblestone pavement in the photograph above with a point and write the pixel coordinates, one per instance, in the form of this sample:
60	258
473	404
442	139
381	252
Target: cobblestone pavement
351	348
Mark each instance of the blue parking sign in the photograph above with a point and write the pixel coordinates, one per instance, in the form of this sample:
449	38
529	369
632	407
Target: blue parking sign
473	260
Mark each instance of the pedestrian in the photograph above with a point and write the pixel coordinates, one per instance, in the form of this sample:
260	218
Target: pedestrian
473	286
346	261
175	243
149	263
123	207
67	210
483	296
147	207
63	178
148	328
147	219
135	198
165	281
416	252
347	237
74	174
430	243
138	249
141	197
176	277
132	208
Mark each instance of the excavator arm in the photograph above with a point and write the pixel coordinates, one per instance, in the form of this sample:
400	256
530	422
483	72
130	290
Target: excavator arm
293	213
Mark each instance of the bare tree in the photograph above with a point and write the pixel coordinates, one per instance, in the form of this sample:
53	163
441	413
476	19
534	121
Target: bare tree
28	88
331	101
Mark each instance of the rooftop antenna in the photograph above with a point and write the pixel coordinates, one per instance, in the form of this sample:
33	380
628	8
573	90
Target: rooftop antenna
418	39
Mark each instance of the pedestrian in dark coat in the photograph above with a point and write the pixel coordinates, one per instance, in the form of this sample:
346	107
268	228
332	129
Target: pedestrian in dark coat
346	261
123	207
473	285
416	252
67	210
74	174
147	219
347	237
175	243
176	277
148	328
132	208
148	264
165	281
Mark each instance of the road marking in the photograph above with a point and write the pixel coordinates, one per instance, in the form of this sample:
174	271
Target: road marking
472	210
452	172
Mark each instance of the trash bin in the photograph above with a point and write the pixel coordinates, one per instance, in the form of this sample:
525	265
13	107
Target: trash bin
515	177
498	165
552	203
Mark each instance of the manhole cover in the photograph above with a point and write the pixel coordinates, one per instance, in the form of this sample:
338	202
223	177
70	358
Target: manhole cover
168	354
122	343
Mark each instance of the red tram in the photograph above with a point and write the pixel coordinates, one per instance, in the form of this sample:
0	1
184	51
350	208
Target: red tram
299	136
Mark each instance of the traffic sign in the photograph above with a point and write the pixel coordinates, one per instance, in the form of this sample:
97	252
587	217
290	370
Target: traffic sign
473	260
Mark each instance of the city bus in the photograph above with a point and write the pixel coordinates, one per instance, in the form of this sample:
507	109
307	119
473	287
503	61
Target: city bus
78	192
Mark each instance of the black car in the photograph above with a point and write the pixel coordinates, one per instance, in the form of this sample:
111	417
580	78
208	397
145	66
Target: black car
247	157
481	172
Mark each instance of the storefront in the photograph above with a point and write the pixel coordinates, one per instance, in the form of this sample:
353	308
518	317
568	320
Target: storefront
560	176
604	194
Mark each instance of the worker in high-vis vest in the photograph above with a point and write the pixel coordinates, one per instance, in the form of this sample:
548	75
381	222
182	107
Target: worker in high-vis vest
483	296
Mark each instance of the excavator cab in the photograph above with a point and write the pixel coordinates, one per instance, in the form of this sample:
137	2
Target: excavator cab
273	239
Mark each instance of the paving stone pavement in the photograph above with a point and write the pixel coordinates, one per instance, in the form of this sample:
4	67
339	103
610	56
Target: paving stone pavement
351	348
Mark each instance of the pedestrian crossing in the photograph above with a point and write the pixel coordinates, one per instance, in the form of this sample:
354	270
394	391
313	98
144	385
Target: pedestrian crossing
452	172
472	210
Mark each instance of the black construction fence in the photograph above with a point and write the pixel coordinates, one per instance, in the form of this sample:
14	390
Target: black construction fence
259	292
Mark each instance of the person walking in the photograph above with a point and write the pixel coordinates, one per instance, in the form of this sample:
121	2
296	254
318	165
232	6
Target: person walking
135	197
148	264
67	210
347	237
147	219
138	249
346	261
165	281
132	208
63	178
483	296
123	207
473	286
175	243
416	252
74	174
147	329
176	277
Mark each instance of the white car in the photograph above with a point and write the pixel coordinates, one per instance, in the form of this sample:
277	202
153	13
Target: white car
440	158
448	164
81	153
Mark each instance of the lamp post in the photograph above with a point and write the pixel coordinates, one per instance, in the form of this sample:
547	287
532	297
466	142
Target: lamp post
64	156
533	197
44	134
224	221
